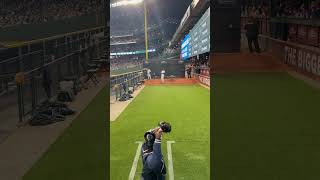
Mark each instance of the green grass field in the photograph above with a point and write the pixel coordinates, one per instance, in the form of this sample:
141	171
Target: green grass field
80	153
266	127
187	108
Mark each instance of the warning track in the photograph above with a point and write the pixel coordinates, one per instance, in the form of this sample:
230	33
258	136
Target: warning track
171	81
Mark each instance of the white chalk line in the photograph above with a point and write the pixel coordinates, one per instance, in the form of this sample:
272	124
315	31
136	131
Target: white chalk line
170	165
135	161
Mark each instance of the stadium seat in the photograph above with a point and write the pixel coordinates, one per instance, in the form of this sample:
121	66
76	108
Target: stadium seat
91	73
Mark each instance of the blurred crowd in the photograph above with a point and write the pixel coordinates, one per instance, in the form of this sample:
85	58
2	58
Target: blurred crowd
132	42
128	48
255	11
124	64
170	52
16	12
298	9
285	8
199	65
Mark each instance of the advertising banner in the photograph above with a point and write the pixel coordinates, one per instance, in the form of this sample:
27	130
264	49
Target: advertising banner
302	59
205	80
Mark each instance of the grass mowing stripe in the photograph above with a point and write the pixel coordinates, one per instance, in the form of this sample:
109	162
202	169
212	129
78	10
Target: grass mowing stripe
266	126
187	108
80	152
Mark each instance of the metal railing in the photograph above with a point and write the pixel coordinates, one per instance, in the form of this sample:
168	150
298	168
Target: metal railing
60	58
128	80
125	69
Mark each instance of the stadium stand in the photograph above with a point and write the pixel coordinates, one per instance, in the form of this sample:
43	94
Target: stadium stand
288	21
32	12
50	50
298	9
119	66
260	10
44	63
54	60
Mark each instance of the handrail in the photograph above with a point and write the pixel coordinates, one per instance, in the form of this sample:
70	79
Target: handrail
294	20
39	51
7	76
10	75
201	75
12	58
125	81
130	79
126	73
52	37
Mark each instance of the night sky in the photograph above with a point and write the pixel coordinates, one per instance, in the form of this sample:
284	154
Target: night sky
169	8
170	11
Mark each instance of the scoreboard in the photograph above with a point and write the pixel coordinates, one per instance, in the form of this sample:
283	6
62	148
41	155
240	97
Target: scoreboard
200	35
198	40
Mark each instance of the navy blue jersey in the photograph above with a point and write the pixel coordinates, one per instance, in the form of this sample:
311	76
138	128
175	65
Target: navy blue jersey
153	164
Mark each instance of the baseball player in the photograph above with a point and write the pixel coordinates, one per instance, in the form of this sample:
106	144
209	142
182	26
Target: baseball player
149	73
162	75
152	159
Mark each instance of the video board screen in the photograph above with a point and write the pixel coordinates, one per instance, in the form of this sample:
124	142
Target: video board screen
198	40
185	47
200	35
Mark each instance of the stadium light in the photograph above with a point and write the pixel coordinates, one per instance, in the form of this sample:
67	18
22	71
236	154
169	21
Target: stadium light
125	3
146	31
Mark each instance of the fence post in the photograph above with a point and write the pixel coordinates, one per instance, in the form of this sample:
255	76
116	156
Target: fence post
34	93
20	102
19	81
20	87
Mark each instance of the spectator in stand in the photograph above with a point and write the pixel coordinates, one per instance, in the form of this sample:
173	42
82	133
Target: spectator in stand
315	9
198	65
189	69
259	11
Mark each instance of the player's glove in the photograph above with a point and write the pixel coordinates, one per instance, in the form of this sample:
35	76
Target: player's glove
150	137
165	126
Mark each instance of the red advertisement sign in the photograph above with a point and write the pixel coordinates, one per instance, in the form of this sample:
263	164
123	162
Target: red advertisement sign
303	60
205	80
313	36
